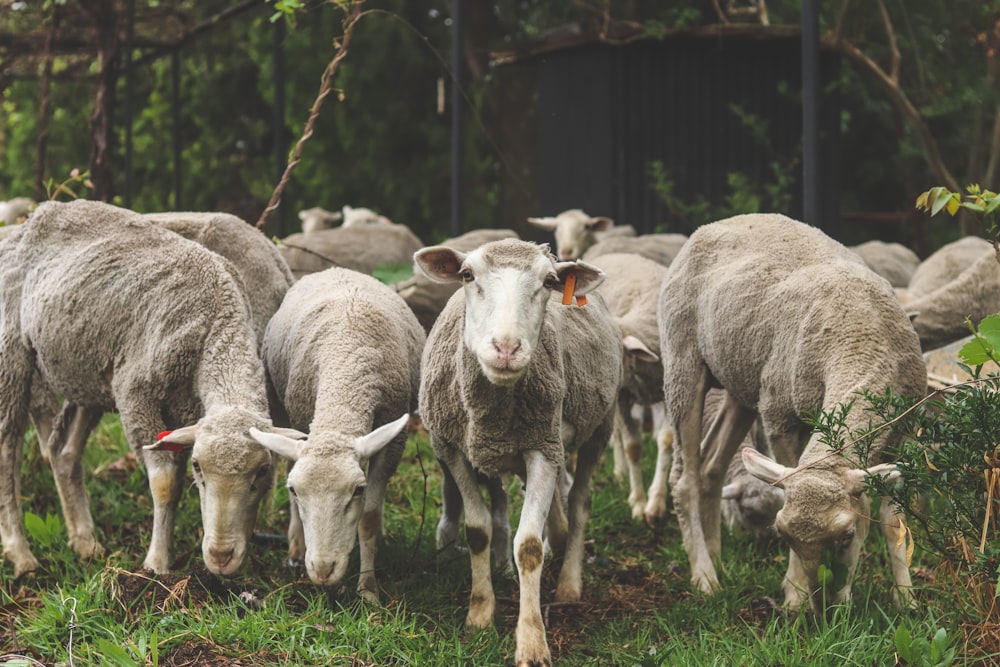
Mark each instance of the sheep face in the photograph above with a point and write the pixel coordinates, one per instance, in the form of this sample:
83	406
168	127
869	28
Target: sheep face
232	473
327	483
507	285
573	231
824	520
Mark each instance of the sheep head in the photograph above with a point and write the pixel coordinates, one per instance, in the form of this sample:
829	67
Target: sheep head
824	520
573	231
327	484
507	286
232	473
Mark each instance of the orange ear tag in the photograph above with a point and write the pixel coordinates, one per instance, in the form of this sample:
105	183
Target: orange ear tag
568	292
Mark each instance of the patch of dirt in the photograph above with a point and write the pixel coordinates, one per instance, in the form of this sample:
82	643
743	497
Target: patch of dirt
204	654
136	591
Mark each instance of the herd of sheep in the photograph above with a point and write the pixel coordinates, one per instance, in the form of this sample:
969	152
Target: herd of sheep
216	345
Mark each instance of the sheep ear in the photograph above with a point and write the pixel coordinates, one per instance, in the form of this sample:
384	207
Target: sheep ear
439	263
175	441
548	224
588	276
292	433
888	470
638	349
277	443
369	445
600	224
763	467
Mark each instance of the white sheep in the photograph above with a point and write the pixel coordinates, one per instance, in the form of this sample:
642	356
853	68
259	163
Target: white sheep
893	261
343	355
661	248
264	273
512	381
575	231
427	298
939	317
787	321
16	210
946	263
114	312
361	248
316	218
630	290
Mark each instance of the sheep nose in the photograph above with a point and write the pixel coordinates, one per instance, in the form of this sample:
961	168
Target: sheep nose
506	351
221	557
324	571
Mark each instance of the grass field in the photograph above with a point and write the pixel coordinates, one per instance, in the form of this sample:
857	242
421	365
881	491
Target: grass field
637	608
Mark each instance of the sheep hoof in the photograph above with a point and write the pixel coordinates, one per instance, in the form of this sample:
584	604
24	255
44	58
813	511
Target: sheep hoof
371	597
87	547
25	566
294	562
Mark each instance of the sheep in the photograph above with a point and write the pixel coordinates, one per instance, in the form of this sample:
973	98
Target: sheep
343	355
575	231
127	315
630	289
946	263
263	271
893	261
361	248
661	248
427	298
785	320
14	211
939	317
316	218
512	381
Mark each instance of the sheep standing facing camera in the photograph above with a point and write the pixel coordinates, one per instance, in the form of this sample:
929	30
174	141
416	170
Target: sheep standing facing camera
575	231
512	381
127	315
786	321
343	356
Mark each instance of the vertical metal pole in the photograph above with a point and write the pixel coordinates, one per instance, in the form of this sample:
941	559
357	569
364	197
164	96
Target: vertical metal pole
175	108
129	40
456	118
280	141
811	211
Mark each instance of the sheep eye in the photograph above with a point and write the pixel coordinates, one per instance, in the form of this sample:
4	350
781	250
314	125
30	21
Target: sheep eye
846	539
359	490
262	472
291	491
551	282
196	467
466	276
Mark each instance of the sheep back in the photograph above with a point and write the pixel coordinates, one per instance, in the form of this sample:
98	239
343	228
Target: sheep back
947	263
660	248
361	248
893	261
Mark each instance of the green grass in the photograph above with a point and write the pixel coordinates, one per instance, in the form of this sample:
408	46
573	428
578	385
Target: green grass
637	609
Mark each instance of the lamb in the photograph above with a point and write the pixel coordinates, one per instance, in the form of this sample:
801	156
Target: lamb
893	261
316	218
265	274
127	315
512	381
939	316
343	355
661	248
630	290
16	210
785	320
361	248
575	231
427	298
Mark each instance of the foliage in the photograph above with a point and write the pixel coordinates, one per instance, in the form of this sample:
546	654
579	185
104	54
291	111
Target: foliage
976	199
922	652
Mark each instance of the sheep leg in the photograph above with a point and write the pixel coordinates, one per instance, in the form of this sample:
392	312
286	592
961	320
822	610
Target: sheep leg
451	510
627	435
166	482
296	534
380	469
557	523
13	418
65	448
482	601
731	424
796	583
502	551
540	487
891	527
570	586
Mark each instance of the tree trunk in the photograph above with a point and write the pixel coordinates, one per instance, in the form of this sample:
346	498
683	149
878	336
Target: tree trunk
105	18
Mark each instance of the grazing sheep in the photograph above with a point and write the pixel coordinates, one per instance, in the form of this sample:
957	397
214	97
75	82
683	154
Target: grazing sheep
575	231
513	381
661	248
264	272
786	321
127	315
316	218
946	263
630	290
361	248
939	317
427	298
343	356
14	211
893	261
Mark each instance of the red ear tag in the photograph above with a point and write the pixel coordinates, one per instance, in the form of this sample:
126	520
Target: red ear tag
168	446
162	434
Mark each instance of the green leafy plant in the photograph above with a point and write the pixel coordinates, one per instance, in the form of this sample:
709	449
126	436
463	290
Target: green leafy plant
923	652
985	203
71	187
46	532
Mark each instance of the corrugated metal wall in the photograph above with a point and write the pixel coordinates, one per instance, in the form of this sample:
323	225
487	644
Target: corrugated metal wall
605	112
